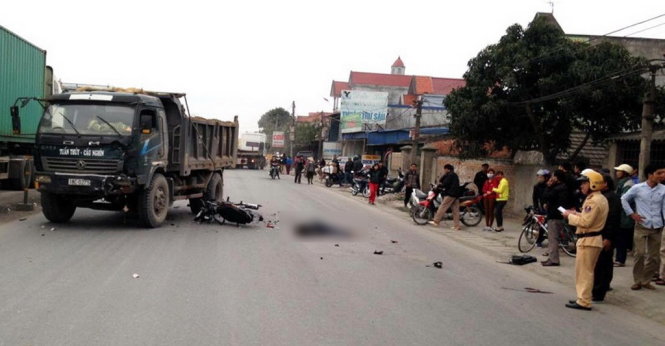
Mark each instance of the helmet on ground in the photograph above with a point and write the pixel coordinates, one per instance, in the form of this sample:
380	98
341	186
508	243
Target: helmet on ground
624	168
543	172
595	179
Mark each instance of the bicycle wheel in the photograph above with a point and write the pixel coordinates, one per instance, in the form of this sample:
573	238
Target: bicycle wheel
528	237
568	243
471	216
421	215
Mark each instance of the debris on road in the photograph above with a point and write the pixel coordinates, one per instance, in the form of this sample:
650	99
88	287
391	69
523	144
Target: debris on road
317	228
520	260
52	229
23	219
336	245
394	241
377	252
437	264
527	289
136	276
43	234
322	258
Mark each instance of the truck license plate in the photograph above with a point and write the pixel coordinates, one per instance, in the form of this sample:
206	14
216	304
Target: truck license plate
79	182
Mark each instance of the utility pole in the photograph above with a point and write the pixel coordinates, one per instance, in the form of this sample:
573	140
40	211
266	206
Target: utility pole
292	133
647	120
416	130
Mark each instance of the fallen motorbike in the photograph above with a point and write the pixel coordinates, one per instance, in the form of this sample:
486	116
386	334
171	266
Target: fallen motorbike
220	212
424	206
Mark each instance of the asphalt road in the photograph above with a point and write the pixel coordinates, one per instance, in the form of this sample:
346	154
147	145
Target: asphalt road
210	284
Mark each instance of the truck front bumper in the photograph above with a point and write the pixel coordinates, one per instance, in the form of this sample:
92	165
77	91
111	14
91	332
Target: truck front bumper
92	185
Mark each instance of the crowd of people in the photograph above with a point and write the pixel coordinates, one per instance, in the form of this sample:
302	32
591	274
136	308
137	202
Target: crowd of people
611	216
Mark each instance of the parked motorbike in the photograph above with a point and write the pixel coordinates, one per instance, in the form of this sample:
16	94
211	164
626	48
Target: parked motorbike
424	206
334	178
220	212
360	184
393	185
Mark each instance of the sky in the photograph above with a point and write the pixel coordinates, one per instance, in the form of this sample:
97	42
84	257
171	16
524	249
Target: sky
246	57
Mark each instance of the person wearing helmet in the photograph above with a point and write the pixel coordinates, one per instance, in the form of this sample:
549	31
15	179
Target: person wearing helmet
589	222
624	240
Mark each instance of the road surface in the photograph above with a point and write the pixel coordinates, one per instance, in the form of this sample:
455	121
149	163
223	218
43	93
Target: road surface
211	284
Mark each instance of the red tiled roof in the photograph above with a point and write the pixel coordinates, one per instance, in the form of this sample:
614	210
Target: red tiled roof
409	99
337	87
398	62
422	85
443	86
367	78
312	117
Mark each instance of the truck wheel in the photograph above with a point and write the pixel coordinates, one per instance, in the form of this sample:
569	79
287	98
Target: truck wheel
23	175
214	192
57	208
154	202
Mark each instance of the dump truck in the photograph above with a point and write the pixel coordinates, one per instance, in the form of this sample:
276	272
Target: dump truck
23	76
128	150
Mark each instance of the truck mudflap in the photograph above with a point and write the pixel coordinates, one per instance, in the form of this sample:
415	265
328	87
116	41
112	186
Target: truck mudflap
85	184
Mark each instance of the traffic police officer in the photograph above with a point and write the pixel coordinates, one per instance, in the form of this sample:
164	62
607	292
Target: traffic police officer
589	222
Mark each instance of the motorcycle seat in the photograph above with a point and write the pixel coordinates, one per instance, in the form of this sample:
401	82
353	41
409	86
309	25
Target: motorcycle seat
421	195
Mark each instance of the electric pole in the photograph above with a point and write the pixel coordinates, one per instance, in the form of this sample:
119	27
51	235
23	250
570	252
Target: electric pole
292	133
416	130
647	120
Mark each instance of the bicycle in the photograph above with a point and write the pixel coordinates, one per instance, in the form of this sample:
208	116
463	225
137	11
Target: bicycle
534	223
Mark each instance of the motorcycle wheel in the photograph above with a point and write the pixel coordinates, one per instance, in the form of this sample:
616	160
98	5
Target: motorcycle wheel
471	216
366	192
354	191
421	215
329	183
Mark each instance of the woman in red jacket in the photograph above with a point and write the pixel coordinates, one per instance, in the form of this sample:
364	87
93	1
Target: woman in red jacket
489	197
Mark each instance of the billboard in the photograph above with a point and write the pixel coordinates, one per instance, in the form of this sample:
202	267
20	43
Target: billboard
359	107
278	139
331	149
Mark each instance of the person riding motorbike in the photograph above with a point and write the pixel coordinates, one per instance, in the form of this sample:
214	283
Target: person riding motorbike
275	163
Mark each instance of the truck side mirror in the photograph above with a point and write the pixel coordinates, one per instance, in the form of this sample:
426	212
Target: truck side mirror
147	122
16	119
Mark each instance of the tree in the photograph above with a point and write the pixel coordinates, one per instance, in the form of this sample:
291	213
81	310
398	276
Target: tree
306	134
276	119
535	86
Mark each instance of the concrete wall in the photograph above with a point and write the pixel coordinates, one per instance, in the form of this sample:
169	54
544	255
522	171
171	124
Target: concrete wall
521	177
403	118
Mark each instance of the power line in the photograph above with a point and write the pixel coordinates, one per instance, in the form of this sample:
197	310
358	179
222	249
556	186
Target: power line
636	24
649	28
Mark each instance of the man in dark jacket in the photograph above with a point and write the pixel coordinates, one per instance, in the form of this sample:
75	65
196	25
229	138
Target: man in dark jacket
348	167
451	191
300	166
357	164
411	181
604	267
624	240
555	196
481	177
543	177
384	175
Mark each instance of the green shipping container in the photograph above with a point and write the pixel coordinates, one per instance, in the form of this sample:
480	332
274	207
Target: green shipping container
22	74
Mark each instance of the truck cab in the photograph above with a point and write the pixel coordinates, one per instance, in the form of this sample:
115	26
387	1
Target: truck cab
136	152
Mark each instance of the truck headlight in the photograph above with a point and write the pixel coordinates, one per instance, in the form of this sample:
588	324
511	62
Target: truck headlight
43	179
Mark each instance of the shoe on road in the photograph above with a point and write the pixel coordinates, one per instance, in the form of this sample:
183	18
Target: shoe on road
433	223
499	229
619	264
636	287
577	306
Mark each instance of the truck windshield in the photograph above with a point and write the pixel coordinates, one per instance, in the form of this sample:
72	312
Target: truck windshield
88	120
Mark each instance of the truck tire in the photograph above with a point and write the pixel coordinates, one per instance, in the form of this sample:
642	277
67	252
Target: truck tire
22	176
153	204
57	208
213	192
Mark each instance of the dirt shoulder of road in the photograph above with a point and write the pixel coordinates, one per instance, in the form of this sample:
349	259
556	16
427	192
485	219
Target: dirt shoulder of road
9	201
502	246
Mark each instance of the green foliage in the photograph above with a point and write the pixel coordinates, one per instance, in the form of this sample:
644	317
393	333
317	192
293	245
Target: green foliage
526	65
306	133
276	119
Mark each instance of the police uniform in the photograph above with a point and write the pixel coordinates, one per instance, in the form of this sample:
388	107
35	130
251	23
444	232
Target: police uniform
589	222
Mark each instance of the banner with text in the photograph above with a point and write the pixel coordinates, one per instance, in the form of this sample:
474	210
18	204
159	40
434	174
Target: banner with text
331	149
359	107
278	139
